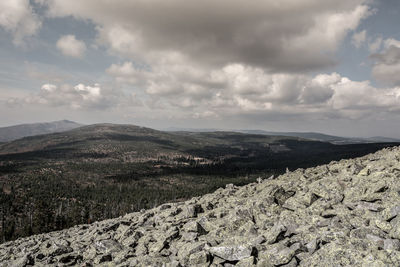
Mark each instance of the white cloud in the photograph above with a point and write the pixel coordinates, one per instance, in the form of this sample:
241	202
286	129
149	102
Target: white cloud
165	79
388	43
241	88
49	87
80	96
18	17
359	38
70	46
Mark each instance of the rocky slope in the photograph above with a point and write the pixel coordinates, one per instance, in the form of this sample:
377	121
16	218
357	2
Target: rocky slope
345	213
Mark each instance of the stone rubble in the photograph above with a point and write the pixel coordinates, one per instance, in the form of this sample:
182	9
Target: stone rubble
345	213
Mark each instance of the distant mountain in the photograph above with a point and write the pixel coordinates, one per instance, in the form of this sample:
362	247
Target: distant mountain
337	140
306	135
11	133
382	139
193	130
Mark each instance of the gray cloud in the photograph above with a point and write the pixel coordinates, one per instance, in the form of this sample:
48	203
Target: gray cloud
18	17
279	36
375	45
387	63
215	57
359	38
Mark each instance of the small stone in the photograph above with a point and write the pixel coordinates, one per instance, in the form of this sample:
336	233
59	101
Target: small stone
272	235
107	246
198	258
292	263
391	244
245	262
186	250
365	172
383	225
375	239
188	236
369	206
173	263
278	254
312	245
26	260
231	253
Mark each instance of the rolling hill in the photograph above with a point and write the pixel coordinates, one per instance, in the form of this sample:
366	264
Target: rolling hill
19	131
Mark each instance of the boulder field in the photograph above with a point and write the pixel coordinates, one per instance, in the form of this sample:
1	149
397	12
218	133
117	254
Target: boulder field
345	213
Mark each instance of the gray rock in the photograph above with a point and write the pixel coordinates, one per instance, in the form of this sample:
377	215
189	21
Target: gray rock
272	235
278	254
231	253
198	258
107	246
245	262
312	245
391	244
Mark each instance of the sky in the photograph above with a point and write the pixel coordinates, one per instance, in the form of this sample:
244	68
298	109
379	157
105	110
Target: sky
329	66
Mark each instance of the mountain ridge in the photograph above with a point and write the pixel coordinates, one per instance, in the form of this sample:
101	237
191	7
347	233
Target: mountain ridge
316	136
15	132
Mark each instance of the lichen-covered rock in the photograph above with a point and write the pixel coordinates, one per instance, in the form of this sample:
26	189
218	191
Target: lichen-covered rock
346	213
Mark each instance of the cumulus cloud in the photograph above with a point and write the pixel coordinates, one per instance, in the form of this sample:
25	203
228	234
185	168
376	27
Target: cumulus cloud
242	88
387	63
319	89
210	59
19	18
215	33
80	96
359	38
70	46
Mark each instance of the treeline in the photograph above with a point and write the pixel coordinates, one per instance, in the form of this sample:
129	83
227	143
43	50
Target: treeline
41	203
